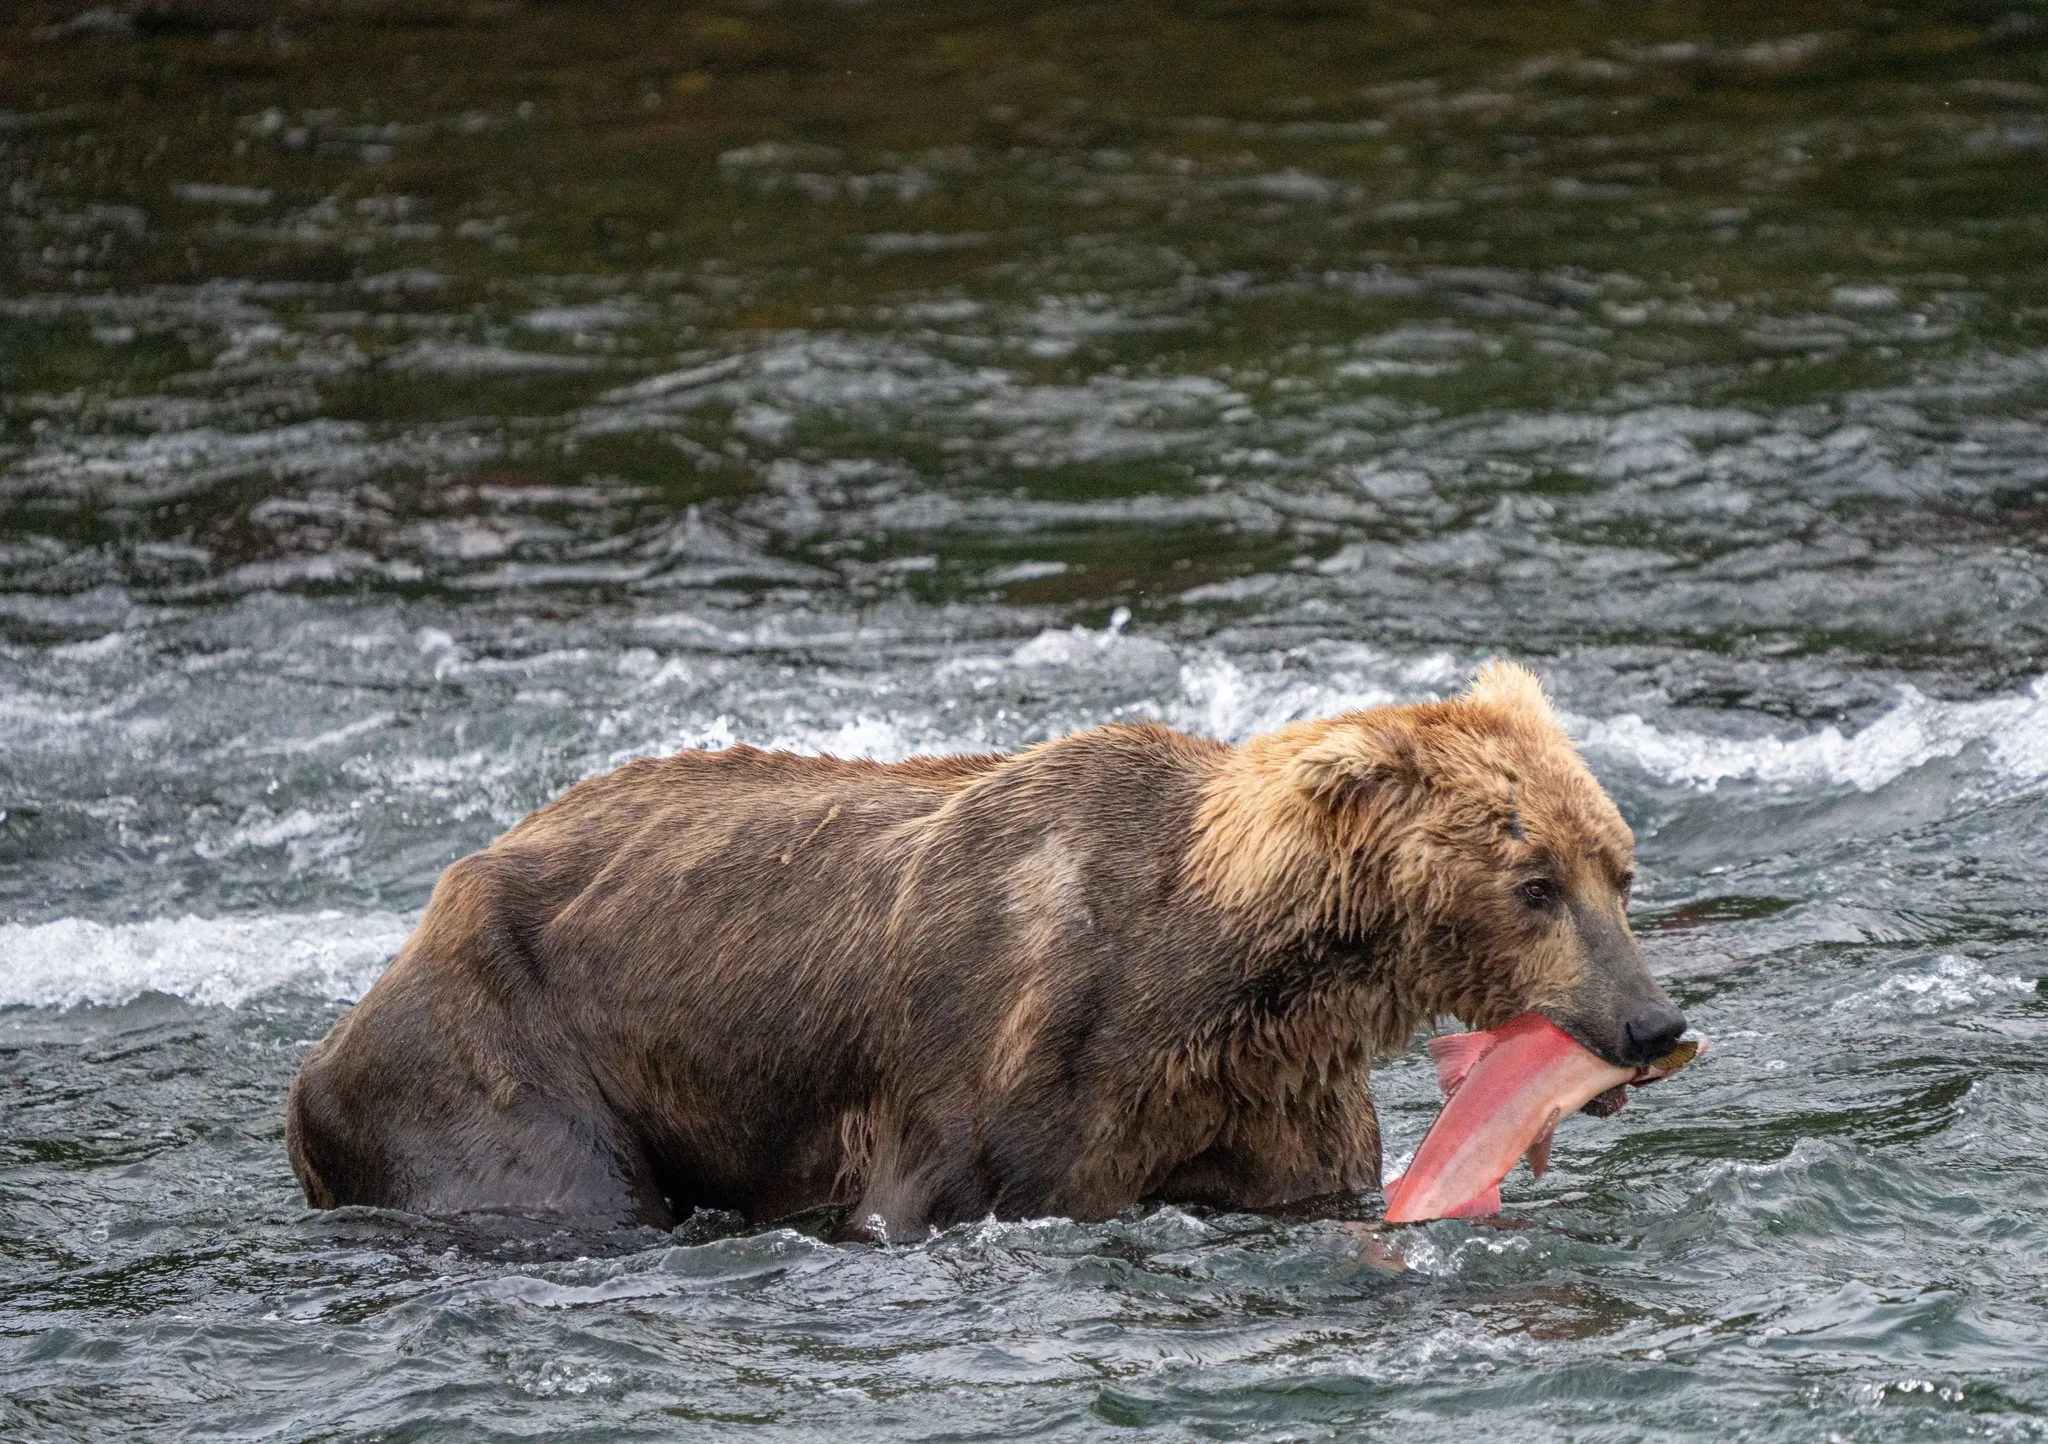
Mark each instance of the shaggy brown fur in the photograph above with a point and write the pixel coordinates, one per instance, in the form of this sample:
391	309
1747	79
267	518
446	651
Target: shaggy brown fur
1126	964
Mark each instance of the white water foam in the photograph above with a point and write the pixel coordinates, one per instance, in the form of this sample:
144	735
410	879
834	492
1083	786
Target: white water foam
1234	698
1219	698
1954	984
214	961
2013	730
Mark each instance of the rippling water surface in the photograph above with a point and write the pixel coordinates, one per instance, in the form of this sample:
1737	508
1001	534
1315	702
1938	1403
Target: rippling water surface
406	410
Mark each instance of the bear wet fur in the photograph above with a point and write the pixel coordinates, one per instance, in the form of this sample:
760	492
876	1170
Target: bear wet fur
1127	964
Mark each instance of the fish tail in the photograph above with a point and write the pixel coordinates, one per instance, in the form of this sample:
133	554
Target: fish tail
1479	1205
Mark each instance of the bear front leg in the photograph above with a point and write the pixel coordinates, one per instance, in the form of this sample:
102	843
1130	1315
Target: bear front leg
917	1177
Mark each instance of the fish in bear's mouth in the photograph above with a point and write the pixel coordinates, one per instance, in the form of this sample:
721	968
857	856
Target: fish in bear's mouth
1504	1092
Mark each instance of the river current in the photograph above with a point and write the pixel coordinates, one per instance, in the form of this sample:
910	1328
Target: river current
407	410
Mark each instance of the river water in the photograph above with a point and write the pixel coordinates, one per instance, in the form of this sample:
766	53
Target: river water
411	409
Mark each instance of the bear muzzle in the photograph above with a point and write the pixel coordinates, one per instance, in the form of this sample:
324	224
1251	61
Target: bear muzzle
1616	1009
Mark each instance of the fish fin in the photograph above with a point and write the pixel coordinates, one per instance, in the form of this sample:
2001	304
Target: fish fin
1539	1153
1479	1205
1391	1190
1455	1053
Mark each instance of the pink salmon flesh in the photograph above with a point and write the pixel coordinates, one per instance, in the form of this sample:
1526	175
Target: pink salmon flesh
1504	1092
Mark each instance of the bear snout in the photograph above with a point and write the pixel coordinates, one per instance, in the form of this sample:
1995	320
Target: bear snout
1650	1032
1616	1009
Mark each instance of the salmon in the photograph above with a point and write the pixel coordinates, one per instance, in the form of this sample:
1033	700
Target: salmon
1504	1092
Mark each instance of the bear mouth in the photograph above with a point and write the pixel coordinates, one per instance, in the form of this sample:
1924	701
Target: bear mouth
1606	1105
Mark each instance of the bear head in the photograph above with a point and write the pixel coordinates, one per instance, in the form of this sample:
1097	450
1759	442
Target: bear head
1461	848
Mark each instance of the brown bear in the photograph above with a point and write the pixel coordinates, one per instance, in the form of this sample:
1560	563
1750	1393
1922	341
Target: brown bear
1129	964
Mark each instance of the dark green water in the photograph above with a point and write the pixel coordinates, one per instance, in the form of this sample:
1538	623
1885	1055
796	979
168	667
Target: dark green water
406	410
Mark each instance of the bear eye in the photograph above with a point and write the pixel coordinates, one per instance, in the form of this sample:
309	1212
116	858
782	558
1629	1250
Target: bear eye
1541	892
1626	884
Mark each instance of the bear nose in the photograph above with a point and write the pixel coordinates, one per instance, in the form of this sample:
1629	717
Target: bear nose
1652	1031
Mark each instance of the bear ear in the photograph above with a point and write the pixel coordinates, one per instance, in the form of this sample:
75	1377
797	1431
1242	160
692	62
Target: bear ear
1512	688
1352	761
